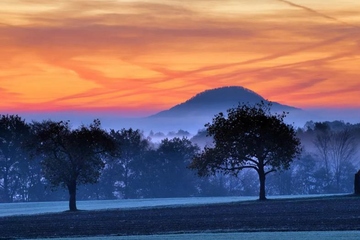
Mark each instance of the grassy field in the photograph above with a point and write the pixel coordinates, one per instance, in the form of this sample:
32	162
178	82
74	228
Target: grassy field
26	208
332	235
332	217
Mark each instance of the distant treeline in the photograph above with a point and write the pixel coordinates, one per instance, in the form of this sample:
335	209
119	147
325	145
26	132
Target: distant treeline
141	168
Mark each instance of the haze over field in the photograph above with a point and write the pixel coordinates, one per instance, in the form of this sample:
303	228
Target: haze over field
192	114
114	59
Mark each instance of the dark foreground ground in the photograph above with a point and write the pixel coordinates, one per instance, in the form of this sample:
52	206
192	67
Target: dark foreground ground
317	214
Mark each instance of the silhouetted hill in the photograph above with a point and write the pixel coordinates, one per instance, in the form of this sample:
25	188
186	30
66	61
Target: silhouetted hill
217	100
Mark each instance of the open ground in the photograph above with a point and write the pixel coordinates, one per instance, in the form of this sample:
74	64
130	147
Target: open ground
336	213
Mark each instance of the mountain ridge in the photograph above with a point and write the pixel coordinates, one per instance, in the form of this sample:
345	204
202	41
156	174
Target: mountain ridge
212	101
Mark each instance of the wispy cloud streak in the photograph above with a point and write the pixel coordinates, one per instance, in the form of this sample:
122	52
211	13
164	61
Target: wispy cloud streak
310	10
155	54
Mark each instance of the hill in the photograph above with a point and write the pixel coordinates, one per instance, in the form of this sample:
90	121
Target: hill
192	114
216	100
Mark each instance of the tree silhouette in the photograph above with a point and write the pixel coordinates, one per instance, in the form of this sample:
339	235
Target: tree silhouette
173	157
13	133
248	137
125	166
163	172
71	157
337	149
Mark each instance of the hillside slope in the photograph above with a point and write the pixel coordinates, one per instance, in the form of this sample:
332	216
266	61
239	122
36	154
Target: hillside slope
217	100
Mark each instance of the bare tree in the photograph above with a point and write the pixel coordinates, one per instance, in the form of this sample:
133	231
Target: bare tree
337	150
343	149
322	144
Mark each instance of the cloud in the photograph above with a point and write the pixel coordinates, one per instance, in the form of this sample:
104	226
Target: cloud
310	10
5	93
142	53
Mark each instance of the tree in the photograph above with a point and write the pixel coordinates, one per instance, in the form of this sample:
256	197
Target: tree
249	137
71	157
336	148
164	170
36	184
174	155
303	175
13	134
133	149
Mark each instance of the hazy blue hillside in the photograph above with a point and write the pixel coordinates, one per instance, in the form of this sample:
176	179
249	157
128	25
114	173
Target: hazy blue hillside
192	114
217	100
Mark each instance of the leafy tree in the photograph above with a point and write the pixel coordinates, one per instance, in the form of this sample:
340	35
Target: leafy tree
248	182
125	166
214	185
13	162
174	156
71	157
280	183
36	184
249	137
165	173
147	175
303	174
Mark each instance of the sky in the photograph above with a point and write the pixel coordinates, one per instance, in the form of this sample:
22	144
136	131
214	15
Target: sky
139	57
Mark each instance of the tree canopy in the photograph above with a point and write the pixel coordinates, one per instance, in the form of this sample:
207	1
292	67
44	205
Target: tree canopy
248	137
13	133
71	157
133	146
145	168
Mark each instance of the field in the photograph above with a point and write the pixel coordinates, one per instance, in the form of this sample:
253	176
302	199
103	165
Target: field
251	218
9	209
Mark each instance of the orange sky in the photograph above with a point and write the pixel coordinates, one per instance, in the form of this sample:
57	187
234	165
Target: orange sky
149	55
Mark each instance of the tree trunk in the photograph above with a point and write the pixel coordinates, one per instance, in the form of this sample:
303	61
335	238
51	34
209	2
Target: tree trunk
7	196
126	183
357	183
262	178
72	194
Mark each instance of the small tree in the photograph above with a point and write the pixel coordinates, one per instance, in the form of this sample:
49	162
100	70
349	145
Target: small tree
249	137
71	157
